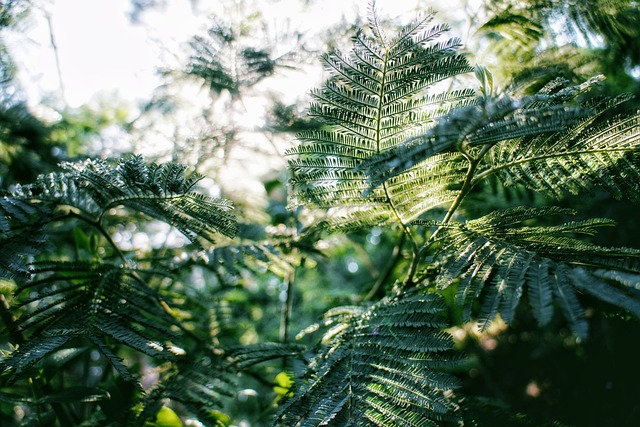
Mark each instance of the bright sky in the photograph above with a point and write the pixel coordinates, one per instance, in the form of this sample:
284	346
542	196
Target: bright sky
100	51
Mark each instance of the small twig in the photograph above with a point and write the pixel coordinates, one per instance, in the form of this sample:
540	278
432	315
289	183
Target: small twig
384	276
54	46
102	231
464	191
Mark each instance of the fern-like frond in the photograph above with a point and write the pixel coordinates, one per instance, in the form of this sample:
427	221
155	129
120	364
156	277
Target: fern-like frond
228	262
114	360
483	124
611	22
382	366
231	59
375	100
199	383
161	191
99	302
249	355
21	236
511	28
595	152
493	259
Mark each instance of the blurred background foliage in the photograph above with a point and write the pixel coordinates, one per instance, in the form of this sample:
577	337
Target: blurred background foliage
226	110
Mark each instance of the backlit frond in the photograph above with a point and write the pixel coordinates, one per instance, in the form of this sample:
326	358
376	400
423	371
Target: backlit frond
596	152
485	123
375	100
229	262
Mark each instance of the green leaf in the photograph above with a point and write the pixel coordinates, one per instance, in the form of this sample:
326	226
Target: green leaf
222	420
283	383
485	78
165	417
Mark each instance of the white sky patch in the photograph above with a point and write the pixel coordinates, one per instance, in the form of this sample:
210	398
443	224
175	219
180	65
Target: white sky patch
101	51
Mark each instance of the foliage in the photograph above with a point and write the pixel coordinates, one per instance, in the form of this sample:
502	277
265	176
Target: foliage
26	146
193	324
229	75
103	299
564	38
386	158
374	102
373	365
26	149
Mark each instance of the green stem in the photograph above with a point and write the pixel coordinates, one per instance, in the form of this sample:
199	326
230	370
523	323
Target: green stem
287	306
467	185
289	279
384	276
98	226
405	229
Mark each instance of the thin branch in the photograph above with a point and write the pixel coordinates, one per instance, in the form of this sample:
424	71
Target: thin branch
384	276
54	46
287	305
289	279
102	231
